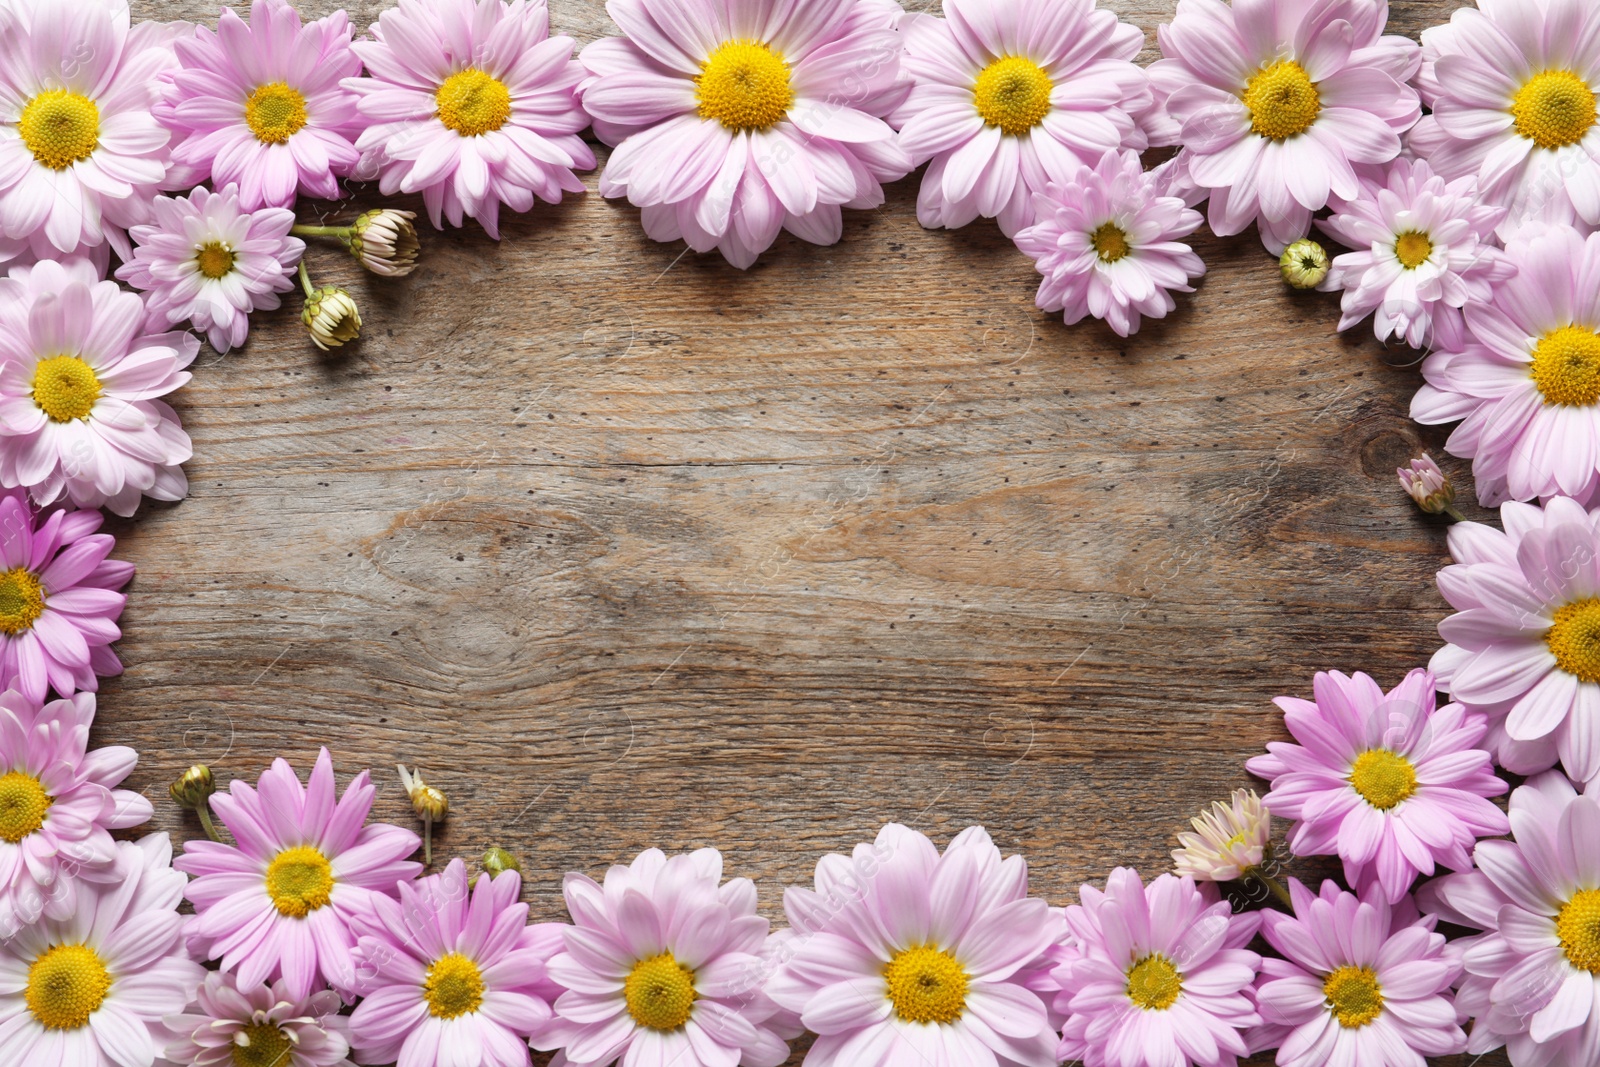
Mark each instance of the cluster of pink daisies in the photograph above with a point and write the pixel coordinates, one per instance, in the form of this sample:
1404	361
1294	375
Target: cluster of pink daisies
317	941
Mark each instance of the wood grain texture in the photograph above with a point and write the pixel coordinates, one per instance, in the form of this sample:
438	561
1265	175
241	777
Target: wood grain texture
625	547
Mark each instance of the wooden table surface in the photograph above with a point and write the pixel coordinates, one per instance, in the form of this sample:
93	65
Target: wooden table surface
625	547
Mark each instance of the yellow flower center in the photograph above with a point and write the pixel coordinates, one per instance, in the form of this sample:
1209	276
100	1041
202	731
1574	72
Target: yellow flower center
1283	101
215	259
21	600
275	112
454	986
299	881
66	985
1154	983
23	804
744	85
1354	996
1554	109
1110	242
660	992
1574	639
1382	778
1578	926
262	1045
65	388
60	127
1412	249
1566	367
473	102
1013	93
926	985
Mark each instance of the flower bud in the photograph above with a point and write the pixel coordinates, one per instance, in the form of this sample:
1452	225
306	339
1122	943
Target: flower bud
332	317
497	861
1230	841
1428	485
194	788
426	801
1304	264
385	242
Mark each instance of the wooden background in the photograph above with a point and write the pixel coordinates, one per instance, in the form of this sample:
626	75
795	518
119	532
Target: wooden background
625	547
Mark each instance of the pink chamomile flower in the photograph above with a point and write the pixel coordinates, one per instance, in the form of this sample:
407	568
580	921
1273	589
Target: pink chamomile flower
207	261
80	152
1010	96
903	955
1358	984
281	902
451	976
1108	245
1533	977
1423	251
1511	84
733	119
1525	385
472	104
662	965
1276	102
259	1025
58	805
260	105
92	989
1524	644
59	599
80	418
1388	782
1161	975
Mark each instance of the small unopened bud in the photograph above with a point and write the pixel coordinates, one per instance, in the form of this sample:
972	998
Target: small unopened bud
429	804
192	792
193	788
497	861
1304	264
1429	486
332	317
385	242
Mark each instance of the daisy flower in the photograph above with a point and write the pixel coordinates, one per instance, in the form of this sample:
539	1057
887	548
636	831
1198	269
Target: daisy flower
1423	252
449	976
1229	841
658	967
1356	985
280	903
80	153
1161	975
1387	781
905	956
58	600
1009	96
1533	978
1524	644
473	105
1512	89
207	261
258	1026
733	121
58	804
1526	384
91	989
260	105
79	418
1276	101
1107	245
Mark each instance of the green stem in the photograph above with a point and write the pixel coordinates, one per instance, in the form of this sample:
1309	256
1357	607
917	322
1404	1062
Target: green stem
305	281
203	809
341	232
1273	886
1455	515
427	841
